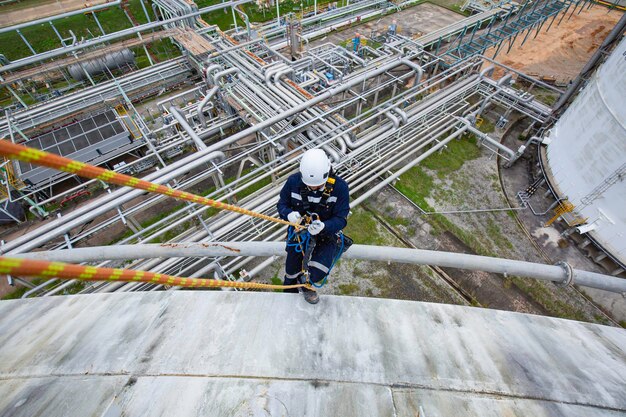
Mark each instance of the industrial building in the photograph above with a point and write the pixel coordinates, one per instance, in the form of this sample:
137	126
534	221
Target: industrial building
471	182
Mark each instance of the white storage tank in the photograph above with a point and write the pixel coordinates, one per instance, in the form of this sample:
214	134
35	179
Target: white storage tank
587	154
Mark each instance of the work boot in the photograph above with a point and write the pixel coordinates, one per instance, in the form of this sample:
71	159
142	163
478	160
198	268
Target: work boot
310	296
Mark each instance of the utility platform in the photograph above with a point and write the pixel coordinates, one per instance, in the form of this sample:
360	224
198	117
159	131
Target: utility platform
220	353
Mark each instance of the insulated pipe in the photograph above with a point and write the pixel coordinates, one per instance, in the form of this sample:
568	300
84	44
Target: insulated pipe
559	274
204	102
486	72
422	108
487	138
219	75
402	114
269	72
314	137
394	119
174	97
183	123
258	91
58	227
312	114
278	74
208	70
419	71
101	90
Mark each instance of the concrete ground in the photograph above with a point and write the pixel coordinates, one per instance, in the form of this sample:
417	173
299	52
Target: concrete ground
413	22
31	10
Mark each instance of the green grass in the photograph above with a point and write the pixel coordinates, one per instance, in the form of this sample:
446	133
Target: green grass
455	7
417	184
348	289
362	228
487	126
453	156
20	290
546	96
43	38
540	293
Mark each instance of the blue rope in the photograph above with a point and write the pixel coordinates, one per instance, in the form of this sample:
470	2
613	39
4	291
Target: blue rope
300	242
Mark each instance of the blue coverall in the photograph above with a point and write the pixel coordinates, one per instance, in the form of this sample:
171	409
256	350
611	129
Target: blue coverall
334	215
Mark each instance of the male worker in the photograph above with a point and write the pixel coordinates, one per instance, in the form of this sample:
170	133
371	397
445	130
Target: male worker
314	193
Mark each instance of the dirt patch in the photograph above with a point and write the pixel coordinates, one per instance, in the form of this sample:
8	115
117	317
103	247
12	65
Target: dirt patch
561	52
413	22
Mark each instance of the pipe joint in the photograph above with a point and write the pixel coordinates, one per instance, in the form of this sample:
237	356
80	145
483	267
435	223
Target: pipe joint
569	274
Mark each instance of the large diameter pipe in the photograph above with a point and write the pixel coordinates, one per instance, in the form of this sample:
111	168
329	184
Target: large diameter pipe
204	102
185	125
483	136
559	274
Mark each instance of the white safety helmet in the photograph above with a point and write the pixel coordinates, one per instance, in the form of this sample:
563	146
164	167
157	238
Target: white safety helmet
314	167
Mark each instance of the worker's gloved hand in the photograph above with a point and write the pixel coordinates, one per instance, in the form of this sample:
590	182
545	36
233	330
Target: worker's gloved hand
294	217
316	227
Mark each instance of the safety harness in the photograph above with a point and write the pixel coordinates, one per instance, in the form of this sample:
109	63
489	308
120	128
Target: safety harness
328	190
303	242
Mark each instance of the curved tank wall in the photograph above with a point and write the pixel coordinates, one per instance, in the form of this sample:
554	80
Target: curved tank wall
587	153
99	65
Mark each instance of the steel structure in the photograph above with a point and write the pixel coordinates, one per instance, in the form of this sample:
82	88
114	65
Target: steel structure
530	17
240	115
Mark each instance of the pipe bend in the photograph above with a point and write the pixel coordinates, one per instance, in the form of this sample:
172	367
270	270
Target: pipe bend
269	72
208	70
279	74
504	79
204	102
182	121
402	114
486	72
394	119
219	75
419	71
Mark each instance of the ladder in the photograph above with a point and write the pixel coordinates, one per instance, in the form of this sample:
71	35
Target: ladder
10	179
618	175
128	121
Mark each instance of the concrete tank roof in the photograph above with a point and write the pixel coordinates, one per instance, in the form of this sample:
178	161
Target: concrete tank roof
213	353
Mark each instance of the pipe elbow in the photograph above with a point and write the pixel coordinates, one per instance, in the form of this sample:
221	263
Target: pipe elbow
504	79
394	119
208	70
219	75
486	72
419	71
402	115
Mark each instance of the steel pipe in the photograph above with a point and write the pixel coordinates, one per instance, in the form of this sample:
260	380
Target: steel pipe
182	121
554	273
